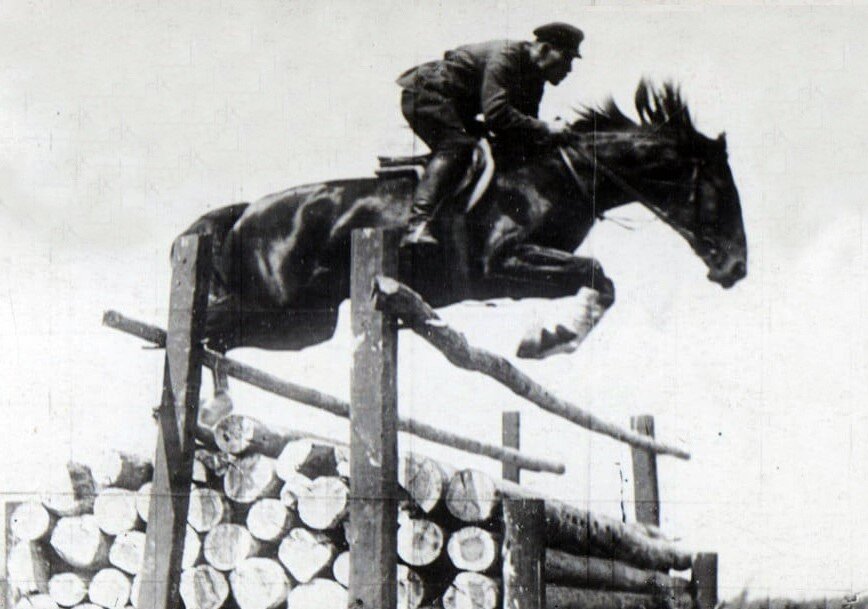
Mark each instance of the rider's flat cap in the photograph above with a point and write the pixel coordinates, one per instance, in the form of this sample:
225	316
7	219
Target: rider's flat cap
564	36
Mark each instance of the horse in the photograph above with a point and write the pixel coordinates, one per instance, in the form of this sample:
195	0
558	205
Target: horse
281	265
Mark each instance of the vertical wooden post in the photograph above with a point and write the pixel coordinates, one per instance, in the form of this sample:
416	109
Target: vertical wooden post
8	596
703	580
645	488
511	438
173	463
373	427
524	527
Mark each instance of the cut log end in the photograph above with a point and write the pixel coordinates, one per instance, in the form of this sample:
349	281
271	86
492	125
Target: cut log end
306	554
203	587
227	545
109	588
472	496
79	541
474	549
318	594
268	520
472	591
30	521
128	551
115	511
250	478
122	470
259	583
425	481
207	509
67	589
28	567
341	569
307	457
326	505
420	542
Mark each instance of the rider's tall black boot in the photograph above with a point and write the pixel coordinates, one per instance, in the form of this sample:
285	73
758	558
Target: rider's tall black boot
441	177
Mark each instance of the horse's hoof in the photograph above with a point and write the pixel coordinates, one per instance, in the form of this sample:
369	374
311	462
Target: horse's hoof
544	343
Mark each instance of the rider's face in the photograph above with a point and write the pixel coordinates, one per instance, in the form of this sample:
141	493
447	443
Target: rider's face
556	64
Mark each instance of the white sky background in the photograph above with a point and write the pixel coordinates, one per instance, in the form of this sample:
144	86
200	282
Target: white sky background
120	123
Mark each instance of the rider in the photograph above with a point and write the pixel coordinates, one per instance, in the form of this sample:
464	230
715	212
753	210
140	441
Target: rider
502	80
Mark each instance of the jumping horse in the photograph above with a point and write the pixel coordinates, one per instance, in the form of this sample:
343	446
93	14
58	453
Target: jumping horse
281	265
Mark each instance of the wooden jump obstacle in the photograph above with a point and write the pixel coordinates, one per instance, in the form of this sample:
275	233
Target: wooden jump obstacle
374	424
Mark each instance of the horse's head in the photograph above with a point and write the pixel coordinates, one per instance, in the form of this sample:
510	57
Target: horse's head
680	174
704	205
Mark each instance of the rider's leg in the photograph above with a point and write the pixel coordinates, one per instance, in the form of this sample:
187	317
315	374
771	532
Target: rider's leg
436	120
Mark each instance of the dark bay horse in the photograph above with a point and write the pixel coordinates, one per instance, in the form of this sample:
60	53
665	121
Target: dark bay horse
281	265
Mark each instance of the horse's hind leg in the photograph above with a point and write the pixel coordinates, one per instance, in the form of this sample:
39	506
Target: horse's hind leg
591	292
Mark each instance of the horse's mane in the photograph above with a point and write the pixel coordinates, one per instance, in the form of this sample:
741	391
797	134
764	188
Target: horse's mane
660	109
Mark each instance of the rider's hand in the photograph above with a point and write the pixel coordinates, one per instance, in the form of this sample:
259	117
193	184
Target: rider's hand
558	131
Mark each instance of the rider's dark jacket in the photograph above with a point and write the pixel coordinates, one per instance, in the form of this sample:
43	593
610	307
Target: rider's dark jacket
496	78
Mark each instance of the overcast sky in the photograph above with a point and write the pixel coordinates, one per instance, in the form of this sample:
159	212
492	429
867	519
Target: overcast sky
121	122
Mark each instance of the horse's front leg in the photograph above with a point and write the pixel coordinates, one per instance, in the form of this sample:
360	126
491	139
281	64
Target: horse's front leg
590	291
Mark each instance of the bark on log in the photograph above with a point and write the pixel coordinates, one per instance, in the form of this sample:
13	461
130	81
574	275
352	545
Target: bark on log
31	521
207	509
268	520
121	470
474	549
295	486
27	567
213	409
128	551
400	300
306	554
601	573
420	542
215	462
472	591
37	601
306	457
259	583
79	541
341	569
67	589
561	597
426	481
227	545
75	493
238	434
251	478
277	386
474	495
326	505
109	588
203	587
115	511
318	594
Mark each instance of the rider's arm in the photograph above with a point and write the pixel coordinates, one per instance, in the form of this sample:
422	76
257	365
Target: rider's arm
500	82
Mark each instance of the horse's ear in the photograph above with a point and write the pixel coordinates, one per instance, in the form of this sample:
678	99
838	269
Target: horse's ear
721	139
642	103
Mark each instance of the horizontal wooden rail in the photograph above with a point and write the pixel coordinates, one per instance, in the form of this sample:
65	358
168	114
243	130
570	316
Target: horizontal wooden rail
305	395
398	299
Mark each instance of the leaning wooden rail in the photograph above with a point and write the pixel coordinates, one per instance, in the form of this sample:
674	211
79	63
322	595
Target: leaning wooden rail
323	401
396	298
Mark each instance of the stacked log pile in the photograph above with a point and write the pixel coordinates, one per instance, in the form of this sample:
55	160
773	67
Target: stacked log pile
268	527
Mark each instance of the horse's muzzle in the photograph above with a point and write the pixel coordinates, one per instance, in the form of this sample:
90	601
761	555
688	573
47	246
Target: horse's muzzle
729	274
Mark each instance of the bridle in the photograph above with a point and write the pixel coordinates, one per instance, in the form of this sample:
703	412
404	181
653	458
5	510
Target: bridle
692	199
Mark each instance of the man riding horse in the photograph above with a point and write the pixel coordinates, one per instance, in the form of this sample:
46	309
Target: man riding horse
502	80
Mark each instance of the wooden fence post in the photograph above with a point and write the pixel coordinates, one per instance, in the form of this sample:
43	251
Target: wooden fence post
511	438
173	463
703	580
645	488
373	427
524	524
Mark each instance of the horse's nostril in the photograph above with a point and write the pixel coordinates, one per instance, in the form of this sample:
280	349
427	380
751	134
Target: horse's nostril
739	269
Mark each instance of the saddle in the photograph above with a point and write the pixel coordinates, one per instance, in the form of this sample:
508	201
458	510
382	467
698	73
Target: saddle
471	187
